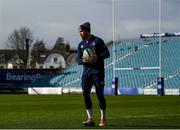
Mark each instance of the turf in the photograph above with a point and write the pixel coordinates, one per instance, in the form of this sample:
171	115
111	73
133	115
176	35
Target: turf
67	111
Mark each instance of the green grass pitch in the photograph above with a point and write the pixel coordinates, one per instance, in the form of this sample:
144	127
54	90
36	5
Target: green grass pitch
68	111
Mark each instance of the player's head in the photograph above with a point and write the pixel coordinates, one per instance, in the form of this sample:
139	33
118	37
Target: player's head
85	26
85	30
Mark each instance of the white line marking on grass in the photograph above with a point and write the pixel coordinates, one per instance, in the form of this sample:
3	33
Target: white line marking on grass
142	116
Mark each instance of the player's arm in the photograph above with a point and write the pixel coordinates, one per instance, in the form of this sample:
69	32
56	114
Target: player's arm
104	52
79	56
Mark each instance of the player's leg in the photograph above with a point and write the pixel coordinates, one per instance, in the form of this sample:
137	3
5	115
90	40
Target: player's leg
86	87
99	86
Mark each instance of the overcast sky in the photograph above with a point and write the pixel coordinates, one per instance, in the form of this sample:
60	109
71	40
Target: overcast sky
49	19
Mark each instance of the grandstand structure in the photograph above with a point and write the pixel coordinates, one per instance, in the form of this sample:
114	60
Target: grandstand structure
137	67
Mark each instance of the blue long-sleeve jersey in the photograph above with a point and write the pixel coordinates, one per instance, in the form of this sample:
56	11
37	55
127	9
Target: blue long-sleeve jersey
102	52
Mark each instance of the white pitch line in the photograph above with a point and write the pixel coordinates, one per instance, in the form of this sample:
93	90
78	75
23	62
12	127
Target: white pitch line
142	116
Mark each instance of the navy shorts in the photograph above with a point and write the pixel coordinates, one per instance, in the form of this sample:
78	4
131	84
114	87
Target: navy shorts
96	80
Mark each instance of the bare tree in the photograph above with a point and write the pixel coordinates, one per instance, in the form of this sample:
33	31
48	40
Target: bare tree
21	40
59	45
38	49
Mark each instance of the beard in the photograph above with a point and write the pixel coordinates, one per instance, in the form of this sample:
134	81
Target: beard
84	37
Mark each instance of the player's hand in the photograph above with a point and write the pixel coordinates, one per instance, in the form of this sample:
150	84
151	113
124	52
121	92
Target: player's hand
84	59
94	58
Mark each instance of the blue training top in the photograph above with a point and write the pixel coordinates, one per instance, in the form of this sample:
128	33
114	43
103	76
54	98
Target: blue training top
102	52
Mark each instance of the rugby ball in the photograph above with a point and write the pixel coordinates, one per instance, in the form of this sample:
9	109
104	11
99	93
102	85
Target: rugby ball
88	53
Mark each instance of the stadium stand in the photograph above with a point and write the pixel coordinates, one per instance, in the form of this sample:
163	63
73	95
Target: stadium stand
133	57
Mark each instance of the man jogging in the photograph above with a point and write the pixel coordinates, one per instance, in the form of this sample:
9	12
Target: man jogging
93	72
